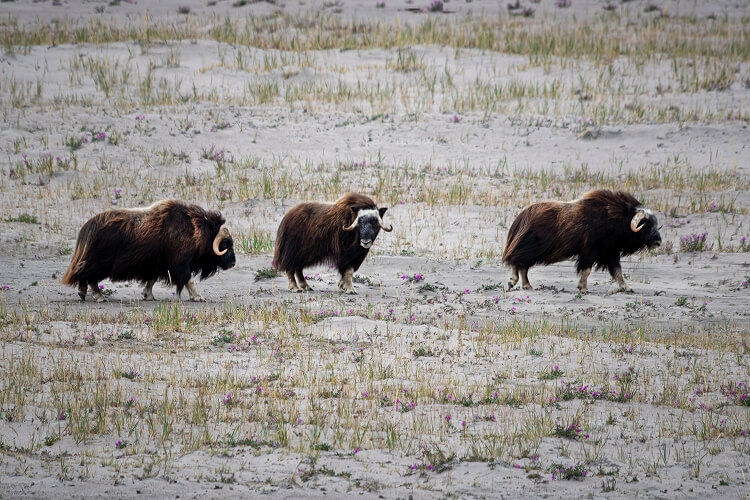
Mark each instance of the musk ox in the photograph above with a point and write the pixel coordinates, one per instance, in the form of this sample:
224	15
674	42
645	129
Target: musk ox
169	241
339	233
596	229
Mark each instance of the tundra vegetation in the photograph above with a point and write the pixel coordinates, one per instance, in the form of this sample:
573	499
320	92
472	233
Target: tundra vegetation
432	379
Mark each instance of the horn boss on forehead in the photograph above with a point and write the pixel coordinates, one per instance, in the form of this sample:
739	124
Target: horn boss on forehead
596	230
170	241
339	233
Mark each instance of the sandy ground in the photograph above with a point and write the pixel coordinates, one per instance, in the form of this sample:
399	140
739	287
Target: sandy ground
453	183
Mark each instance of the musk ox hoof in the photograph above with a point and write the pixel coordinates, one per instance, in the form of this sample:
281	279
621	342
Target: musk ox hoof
626	289
197	298
101	299
527	287
148	296
583	290
83	296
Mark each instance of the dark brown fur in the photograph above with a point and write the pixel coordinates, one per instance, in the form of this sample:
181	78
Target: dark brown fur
312	233
594	229
169	241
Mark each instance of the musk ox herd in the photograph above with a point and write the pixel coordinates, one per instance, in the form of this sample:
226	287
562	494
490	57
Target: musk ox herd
172	241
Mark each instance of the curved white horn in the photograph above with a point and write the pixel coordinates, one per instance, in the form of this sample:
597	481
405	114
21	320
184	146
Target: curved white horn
637	218
223	233
353	226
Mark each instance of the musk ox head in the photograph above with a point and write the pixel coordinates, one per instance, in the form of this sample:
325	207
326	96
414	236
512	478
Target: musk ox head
369	222
645	225
223	248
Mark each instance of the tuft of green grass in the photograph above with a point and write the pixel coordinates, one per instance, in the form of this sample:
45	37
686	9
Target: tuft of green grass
24	218
551	374
265	273
224	337
422	351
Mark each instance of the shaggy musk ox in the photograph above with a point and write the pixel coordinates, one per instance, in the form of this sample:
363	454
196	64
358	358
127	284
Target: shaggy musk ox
340	233
596	229
169	241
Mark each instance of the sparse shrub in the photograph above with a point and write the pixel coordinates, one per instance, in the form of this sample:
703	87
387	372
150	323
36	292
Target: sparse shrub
423	351
51	439
224	337
24	218
265	273
73	142
694	242
435	6
568	431
130	375
362	280
552	374
559	472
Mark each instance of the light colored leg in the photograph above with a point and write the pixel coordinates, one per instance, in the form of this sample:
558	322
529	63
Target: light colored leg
302	281
346	285
82	290
96	293
583	280
148	293
194	295
513	277
292	282
618	277
525	279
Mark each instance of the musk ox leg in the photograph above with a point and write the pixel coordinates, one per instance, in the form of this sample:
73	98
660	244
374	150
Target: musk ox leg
583	280
513	277
148	293
345	284
82	290
96	293
194	295
302	281
292	283
618	277
525	279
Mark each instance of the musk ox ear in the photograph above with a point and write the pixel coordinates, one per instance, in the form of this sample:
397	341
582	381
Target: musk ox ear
382	211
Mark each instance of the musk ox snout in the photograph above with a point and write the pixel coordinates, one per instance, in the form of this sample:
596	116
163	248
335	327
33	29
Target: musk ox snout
655	241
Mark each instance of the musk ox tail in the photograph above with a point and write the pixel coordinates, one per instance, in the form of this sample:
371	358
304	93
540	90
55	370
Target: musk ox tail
512	241
531	237
73	275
